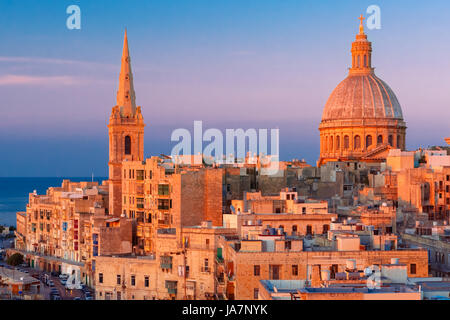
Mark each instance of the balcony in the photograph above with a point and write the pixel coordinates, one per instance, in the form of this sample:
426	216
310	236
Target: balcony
164	222
220	278
205	269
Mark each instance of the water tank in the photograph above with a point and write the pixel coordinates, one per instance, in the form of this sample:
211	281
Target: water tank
325	274
351	264
394	261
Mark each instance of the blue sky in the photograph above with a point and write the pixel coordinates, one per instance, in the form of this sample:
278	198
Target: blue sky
232	64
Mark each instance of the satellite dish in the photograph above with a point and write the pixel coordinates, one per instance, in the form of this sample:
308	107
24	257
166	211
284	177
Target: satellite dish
368	271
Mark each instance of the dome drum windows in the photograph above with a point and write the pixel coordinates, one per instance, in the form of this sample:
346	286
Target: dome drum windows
346	142
391	140
368	141
357	143
380	139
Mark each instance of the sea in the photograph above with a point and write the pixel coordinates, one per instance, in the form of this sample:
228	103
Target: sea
14	193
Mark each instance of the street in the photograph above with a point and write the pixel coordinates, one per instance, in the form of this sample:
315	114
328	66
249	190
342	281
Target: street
64	293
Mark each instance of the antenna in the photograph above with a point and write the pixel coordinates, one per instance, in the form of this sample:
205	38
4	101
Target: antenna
92	177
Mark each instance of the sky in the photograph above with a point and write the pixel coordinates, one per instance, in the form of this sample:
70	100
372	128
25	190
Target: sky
229	63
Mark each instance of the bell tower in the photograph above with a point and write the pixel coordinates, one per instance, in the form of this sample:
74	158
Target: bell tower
126	132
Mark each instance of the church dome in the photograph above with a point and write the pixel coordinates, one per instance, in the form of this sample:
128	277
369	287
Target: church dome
362	96
362	118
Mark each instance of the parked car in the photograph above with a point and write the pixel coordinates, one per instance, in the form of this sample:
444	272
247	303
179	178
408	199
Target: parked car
56	297
51	283
63	276
63	282
89	298
77	298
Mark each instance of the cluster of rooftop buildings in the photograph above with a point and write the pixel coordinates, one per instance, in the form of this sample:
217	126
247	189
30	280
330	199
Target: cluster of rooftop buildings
369	222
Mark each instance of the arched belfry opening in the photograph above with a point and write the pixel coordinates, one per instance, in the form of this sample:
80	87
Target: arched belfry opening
127	145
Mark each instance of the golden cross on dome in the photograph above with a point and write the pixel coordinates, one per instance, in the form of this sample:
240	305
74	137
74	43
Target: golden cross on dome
361	19
361	25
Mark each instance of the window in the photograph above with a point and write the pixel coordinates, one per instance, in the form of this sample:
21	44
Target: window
338	143
146	281
357	143
331	143
294	229
127	145
256	293
413	268
346	142
399	142
295	270
368	141
287	245
163	204
119	295
380	139
274	272
100	277
163	189
256	270
133	280
118	279
391	140
308	229
207	243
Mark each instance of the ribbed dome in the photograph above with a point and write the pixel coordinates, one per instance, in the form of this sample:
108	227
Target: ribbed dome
363	96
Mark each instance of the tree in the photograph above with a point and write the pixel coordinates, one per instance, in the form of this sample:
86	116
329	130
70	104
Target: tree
12	228
15	259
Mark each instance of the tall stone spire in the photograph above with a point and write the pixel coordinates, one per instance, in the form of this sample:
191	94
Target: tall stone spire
361	52
126	99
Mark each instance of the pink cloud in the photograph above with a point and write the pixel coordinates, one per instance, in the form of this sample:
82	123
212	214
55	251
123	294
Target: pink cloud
11	79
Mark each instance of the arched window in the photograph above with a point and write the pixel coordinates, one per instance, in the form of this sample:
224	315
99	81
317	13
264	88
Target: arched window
365	61
127	145
399	142
357	143
380	139
331	144
359	61
346	142
390	140
338	142
368	141
325	145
